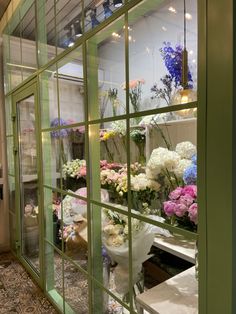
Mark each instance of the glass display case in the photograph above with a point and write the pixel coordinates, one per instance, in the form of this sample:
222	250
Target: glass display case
106	154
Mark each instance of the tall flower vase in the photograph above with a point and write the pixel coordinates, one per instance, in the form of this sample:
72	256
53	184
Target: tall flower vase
141	150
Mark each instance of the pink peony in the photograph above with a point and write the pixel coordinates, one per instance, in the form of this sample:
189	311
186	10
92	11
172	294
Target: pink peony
174	195
193	213
169	208
186	200
180	210
191	190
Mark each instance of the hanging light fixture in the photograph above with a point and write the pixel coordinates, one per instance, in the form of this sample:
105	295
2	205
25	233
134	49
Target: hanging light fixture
78	29
93	16
107	11
117	3
69	40
187	94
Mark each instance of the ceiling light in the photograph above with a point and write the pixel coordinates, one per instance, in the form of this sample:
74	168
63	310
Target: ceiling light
78	29
107	11
164	28
117	3
172	10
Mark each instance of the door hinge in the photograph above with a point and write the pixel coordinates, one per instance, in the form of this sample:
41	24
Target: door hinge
15	150
17	244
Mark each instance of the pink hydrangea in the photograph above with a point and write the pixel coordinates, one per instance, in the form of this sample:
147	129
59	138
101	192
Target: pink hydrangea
169	208
174	195
180	210
193	213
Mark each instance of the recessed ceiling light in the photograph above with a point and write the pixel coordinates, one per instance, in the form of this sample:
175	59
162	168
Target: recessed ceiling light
172	10
191	52
164	28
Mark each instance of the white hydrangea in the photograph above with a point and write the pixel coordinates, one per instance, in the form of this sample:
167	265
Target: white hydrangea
119	127
181	167
141	182
161	159
186	150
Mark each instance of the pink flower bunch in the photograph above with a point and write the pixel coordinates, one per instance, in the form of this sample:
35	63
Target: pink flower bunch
106	165
133	83
183	201
82	171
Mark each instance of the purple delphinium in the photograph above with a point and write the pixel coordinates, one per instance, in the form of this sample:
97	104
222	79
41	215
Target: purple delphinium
59	133
173	62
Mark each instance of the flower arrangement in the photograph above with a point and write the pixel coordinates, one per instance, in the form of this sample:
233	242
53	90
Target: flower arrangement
173	62
115	240
135	93
168	167
181	208
74	169
190	173
113	97
138	136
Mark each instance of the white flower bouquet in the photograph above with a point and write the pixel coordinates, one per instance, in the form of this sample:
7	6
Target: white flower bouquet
115	240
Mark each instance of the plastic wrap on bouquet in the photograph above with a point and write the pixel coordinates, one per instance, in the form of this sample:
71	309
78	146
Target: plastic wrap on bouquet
73	206
141	244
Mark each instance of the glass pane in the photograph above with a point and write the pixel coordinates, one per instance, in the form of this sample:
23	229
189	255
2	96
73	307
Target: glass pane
106	70
28	41
10	156
12	194
51	158
165	147
15	55
6	60
71	87
109	162
75	289
53	217
156	35
8	113
12	229
48	96
68	23
115	251
54	275
46	31
165	262
29	180
75	232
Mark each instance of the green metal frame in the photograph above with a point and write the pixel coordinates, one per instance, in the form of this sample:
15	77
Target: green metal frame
215	182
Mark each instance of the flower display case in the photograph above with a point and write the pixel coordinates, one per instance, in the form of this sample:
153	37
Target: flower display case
115	173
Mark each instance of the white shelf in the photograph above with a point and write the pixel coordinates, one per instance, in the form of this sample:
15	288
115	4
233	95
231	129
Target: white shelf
177	246
178	295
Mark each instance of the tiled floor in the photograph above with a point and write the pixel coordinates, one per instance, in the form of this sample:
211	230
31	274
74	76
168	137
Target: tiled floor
18	293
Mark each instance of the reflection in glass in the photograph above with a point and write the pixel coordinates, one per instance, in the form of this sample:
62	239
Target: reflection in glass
106	65
29	180
157	37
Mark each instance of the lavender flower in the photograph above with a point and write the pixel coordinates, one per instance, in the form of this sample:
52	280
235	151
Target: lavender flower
59	133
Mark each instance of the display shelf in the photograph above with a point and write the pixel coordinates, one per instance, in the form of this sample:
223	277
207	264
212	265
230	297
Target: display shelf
178	295
177	246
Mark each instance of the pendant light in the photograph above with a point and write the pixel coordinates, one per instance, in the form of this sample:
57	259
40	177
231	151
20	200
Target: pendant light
186	94
117	3
78	29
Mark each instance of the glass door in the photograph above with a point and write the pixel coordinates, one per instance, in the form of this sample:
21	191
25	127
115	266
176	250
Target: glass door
27	176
